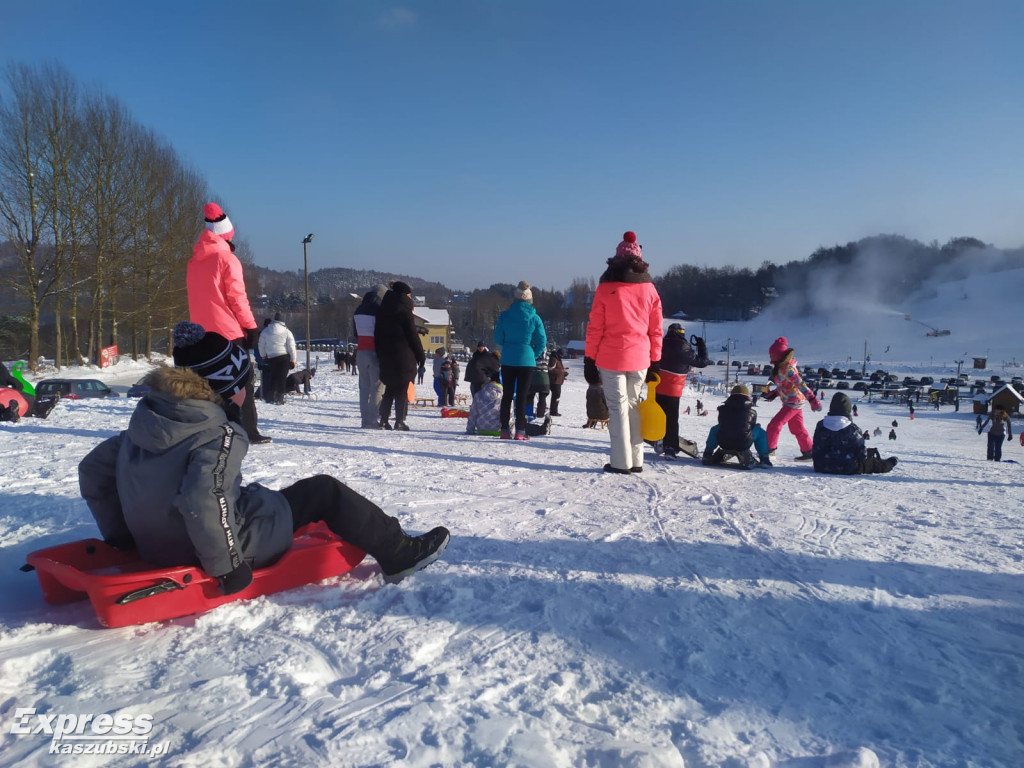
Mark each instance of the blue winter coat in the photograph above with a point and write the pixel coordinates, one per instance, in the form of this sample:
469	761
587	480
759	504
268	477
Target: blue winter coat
520	334
838	446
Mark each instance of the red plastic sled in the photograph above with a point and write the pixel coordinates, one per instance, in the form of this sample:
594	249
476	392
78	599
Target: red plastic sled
125	590
454	413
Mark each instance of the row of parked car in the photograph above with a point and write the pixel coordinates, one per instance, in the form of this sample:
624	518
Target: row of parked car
77	389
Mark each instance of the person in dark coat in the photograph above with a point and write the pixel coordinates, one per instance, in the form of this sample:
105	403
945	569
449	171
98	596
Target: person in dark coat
556	377
300	381
399	352
170	485
540	388
1000	421
481	368
597	406
678	356
737	430
839	444
364	322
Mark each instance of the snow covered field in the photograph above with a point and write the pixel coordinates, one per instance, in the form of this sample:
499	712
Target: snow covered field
686	616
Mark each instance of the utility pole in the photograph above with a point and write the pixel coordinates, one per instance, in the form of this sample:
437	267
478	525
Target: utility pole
305	265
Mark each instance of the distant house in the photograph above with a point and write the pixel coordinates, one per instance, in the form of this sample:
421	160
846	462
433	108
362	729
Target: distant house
575	348
1008	397
438	325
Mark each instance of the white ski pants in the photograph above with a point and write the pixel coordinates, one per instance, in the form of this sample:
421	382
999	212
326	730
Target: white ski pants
622	392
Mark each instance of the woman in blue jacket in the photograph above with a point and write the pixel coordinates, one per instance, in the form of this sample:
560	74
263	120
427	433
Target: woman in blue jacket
520	335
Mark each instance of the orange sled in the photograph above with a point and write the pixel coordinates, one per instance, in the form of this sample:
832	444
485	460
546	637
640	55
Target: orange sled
125	590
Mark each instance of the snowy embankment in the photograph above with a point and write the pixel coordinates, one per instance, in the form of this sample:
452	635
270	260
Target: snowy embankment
685	616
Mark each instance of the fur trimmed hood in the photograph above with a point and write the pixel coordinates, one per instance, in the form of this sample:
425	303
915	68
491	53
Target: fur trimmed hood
181	384
622	269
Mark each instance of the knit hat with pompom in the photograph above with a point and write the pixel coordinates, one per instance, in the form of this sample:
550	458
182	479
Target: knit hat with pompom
223	364
629	246
218	222
523	292
778	348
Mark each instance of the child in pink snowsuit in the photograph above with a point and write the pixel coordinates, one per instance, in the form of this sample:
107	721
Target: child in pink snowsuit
790	386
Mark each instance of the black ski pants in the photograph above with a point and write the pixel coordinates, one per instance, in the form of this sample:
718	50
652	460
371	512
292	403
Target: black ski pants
351	516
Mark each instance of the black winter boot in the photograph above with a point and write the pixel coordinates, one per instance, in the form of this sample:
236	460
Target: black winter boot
413	553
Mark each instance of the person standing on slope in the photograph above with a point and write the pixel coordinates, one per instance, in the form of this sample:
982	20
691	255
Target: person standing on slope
399	351
370	388
624	344
677	357
217	299
791	388
520	334
277	346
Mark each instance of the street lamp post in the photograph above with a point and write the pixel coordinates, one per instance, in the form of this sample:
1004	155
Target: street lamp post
305	266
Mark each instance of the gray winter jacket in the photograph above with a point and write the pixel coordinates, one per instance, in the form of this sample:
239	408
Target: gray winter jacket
172	483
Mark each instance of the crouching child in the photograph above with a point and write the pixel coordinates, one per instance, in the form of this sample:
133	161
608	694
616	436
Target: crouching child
485	410
839	444
736	432
597	405
171	484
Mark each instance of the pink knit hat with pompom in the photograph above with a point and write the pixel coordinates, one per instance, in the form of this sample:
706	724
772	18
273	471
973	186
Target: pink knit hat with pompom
629	246
778	348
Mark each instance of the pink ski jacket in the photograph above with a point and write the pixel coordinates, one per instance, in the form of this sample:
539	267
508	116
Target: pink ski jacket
791	385
624	332
216	291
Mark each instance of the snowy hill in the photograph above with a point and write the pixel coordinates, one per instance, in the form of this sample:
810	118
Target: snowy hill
685	616
978	309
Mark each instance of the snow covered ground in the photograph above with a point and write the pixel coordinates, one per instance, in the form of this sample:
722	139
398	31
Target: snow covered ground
686	616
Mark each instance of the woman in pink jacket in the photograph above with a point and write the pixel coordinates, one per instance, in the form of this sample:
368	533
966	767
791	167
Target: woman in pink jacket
217	299
624	343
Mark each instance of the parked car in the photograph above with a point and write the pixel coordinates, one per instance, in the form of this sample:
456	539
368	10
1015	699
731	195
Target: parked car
138	389
927	380
861	386
74	389
842	384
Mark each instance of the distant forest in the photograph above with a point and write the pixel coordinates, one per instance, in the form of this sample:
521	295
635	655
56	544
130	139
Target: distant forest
98	216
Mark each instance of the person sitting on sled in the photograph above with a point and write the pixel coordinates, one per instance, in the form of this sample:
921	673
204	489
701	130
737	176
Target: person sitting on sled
16	401
736	431
171	484
485	413
839	444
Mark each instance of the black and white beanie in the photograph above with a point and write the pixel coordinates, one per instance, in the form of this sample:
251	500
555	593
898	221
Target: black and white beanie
223	364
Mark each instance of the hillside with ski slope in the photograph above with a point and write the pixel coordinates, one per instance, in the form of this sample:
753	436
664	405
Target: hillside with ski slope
686	616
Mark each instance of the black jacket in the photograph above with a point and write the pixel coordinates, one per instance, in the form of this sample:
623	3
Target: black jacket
482	367
399	348
7	380
597	406
678	355
838	446
736	420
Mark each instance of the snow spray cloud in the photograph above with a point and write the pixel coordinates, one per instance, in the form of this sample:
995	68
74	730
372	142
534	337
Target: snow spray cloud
879	275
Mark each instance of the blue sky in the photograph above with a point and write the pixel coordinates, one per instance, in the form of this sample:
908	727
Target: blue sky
477	142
